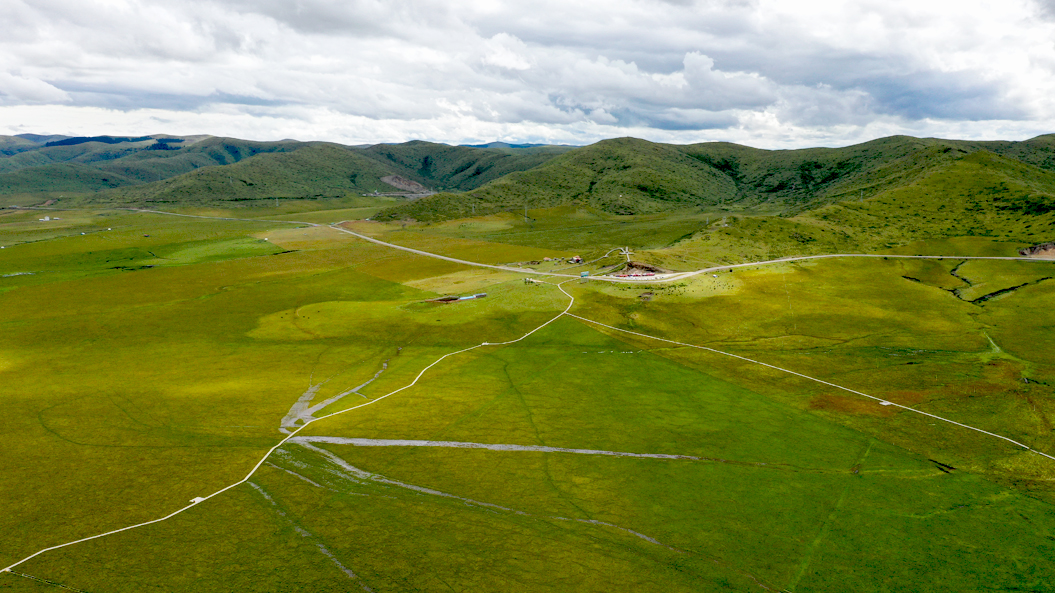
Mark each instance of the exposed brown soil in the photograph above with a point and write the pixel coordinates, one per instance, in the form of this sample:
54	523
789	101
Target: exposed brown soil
851	405
634	268
908	398
404	184
1042	251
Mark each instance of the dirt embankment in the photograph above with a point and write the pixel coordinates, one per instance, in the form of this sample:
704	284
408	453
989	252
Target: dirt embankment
1042	251
633	268
404	184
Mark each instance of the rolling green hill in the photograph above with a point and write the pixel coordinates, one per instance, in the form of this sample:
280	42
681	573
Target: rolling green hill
995	203
313	171
977	194
458	168
32	172
62	177
874	195
797	179
10	145
629	176
141	160
90	165
624	175
151	165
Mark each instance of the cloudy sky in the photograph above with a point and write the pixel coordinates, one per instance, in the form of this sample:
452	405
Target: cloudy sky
775	74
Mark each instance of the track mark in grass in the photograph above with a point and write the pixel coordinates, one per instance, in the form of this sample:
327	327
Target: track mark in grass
295	474
299	410
303	412
560	493
462	445
539	449
821	381
46	582
307	534
356	474
826	526
996	349
365	475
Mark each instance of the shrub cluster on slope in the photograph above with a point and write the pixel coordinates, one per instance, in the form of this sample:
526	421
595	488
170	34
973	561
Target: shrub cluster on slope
457	168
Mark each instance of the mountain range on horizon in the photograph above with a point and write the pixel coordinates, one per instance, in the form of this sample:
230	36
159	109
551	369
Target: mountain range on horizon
987	187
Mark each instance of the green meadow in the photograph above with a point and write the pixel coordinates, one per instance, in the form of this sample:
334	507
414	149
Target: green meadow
146	360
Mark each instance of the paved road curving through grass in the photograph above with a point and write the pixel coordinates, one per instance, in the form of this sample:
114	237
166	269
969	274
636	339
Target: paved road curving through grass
676	275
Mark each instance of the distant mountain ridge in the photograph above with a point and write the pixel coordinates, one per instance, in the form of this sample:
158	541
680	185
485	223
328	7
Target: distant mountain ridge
1012	182
104	139
508	145
632	176
108	169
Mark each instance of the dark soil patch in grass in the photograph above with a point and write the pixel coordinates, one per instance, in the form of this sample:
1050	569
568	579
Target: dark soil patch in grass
850	405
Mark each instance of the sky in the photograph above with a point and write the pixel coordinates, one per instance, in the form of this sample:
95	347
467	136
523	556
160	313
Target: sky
769	74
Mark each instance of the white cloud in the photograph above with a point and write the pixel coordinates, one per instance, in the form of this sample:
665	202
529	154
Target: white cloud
506	51
759	72
18	89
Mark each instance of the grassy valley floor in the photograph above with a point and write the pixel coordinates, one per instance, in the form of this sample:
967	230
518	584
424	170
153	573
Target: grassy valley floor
146	360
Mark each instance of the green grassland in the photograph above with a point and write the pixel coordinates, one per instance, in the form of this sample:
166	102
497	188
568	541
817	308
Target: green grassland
151	359
148	359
